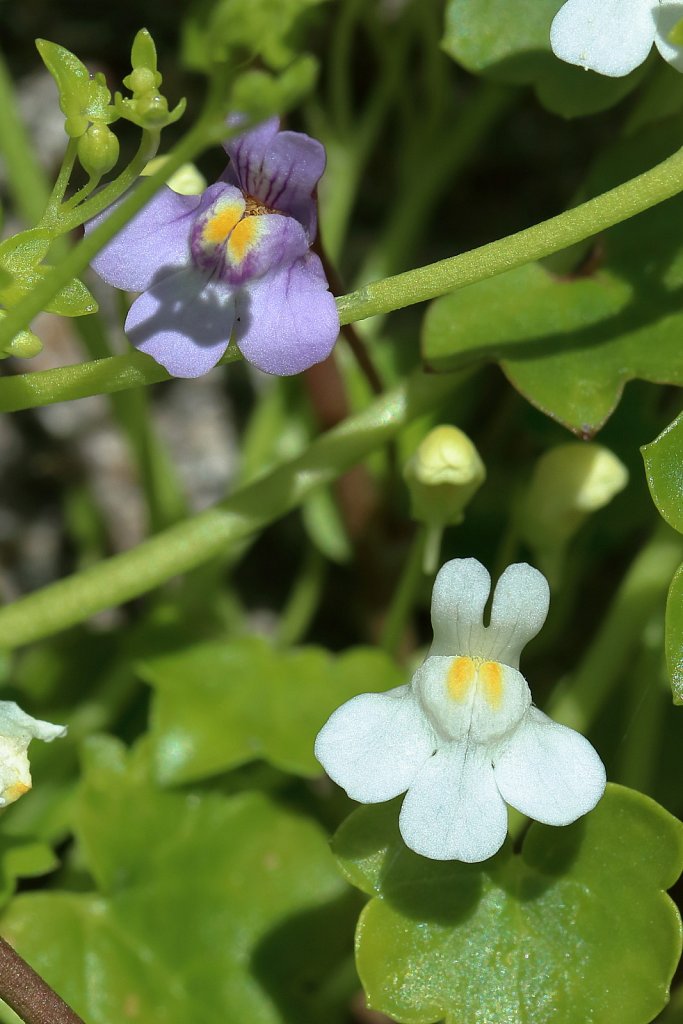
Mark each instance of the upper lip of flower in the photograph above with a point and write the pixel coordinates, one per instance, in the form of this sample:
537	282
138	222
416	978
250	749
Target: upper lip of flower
463	738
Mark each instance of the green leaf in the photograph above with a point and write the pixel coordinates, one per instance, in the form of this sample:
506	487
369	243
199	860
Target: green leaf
258	28
82	97
571	344
208	909
217	706
143	53
22	857
575	928
664	469
325	526
674	635
509	40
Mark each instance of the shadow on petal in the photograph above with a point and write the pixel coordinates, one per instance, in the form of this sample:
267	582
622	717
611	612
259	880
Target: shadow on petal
184	321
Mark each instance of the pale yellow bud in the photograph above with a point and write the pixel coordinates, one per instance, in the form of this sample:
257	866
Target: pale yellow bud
443	475
186	181
569	482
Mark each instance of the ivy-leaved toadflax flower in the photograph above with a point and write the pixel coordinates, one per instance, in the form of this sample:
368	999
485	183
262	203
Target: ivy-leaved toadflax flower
234	261
613	37
463	737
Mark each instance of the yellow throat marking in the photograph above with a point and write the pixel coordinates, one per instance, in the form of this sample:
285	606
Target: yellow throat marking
243	237
463	673
218	227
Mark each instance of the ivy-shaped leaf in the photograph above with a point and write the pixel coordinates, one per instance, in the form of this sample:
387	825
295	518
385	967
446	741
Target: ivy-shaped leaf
208	908
82	97
217	706
664	469
571	344
22	857
576	927
509	40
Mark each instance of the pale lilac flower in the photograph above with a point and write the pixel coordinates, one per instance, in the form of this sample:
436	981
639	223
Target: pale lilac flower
613	37
463	737
233	261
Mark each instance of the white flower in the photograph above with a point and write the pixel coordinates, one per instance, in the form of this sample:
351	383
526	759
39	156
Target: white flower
463	737
613	37
17	729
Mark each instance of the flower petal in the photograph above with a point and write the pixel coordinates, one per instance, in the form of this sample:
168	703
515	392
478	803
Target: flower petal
156	239
184	322
374	744
287	320
260	244
667	14
461	590
453	810
281	169
549	772
611	37
520	607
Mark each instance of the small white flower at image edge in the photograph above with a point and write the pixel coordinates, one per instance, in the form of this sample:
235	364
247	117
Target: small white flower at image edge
17	729
614	37
463	738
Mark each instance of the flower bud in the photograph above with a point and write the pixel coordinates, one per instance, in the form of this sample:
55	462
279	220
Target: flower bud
568	483
186	181
443	475
17	729
24	345
98	150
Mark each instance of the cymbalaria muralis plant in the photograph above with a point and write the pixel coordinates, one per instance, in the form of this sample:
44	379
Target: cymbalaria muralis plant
440	244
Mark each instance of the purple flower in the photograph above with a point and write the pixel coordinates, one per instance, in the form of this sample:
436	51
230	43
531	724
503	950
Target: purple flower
235	259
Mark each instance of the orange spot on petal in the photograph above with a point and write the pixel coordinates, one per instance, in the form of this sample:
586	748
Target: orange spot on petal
218	227
460	677
245	235
491	675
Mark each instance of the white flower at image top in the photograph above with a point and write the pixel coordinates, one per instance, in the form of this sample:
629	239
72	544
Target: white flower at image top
613	37
463	738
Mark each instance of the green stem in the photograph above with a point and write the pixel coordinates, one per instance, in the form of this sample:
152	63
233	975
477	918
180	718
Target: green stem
410	215
187	149
405	593
26	178
303	601
61	183
639	194
165	501
634	196
578	701
209	534
100	376
646	702
77	212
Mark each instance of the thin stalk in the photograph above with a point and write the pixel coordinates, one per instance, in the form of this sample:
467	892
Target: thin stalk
216	531
28	995
618	204
98	377
27	180
405	594
302	602
578	701
411	213
187	149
